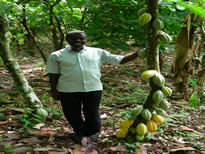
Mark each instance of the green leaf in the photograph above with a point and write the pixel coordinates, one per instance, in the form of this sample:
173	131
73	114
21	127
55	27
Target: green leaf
194	100
196	9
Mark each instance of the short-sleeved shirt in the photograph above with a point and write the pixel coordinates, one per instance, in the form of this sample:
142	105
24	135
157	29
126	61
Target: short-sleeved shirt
80	71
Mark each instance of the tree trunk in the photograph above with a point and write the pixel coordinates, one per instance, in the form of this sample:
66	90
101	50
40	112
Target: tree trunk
201	73
31	36
13	67
152	49
186	49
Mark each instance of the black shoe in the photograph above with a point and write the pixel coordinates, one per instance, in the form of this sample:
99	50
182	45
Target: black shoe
94	138
77	138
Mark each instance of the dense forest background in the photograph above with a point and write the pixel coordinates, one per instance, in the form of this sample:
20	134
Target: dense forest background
31	121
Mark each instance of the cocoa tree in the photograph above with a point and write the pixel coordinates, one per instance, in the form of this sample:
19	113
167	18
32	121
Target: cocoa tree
146	117
20	80
13	67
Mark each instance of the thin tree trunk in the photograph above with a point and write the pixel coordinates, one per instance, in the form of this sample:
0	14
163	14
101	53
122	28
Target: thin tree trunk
152	49
30	35
13	67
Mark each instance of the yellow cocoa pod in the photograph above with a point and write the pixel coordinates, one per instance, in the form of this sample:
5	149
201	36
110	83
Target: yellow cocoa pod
157	118
151	125
141	129
148	74
121	133
51	27
50	38
126	123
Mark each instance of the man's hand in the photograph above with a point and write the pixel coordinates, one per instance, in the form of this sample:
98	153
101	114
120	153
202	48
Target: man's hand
56	95
53	78
129	57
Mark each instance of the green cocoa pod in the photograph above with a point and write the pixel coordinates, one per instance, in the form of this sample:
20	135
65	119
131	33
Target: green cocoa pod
166	91
146	114
158	80
141	11
132	130
157	96
144	18
164	104
164	37
161	112
136	111
142	53
42	112
158	24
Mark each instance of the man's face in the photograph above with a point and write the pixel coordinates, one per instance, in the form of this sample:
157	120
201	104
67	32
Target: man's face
77	40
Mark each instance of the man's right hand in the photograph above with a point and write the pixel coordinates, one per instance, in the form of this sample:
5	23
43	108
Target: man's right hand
56	95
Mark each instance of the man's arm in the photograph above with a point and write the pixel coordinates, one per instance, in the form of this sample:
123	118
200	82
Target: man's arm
129	58
53	79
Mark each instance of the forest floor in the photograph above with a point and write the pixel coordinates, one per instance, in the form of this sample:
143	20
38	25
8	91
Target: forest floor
182	132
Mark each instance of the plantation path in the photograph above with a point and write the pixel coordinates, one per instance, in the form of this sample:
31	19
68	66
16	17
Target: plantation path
182	132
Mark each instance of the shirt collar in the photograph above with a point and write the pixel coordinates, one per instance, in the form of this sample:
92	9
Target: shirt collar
68	47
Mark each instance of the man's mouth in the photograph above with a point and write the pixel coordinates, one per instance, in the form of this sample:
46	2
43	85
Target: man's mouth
77	43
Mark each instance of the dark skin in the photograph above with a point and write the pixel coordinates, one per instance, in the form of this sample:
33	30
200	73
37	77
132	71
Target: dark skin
77	42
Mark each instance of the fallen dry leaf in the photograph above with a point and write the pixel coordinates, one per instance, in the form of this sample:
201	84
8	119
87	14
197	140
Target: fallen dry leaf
12	136
142	150
185	128
117	148
3	122
2	132
47	148
182	149
41	132
33	140
67	149
84	150
51	138
38	126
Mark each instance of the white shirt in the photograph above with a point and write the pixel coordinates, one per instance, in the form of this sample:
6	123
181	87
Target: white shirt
80	71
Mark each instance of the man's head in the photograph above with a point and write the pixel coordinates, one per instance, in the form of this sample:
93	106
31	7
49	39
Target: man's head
76	38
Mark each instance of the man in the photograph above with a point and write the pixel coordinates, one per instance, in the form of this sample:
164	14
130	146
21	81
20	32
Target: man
74	75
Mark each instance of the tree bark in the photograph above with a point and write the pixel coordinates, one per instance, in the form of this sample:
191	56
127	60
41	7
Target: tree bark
201	73
186	49
13	67
152	49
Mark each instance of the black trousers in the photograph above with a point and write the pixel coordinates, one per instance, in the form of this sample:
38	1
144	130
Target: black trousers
72	103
